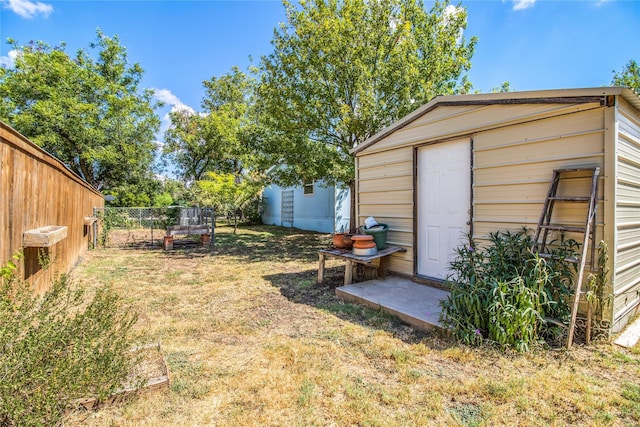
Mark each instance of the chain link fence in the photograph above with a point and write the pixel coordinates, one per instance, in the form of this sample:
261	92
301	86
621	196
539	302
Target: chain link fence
145	227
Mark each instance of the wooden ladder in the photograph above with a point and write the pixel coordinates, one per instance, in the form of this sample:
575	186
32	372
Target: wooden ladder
545	226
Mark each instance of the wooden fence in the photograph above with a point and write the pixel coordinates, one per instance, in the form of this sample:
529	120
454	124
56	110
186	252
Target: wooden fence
39	197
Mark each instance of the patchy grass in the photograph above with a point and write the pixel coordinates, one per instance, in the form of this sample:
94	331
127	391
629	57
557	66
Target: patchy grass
251	339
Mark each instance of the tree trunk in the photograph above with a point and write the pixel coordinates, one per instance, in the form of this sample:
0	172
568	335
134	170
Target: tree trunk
235	223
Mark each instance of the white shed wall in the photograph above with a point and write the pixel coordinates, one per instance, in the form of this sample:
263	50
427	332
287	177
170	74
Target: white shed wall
627	251
325	211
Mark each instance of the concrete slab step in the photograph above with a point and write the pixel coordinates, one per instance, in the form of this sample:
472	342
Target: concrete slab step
416	304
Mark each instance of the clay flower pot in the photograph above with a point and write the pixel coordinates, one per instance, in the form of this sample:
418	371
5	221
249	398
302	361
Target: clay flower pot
338	240
346	239
361	241
361	244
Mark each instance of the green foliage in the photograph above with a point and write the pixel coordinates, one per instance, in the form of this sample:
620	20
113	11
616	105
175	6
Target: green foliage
629	76
217	139
86	110
138	192
162	200
596	294
8	271
228	194
58	347
110	219
504	87
342	70
516	307
180	195
502	292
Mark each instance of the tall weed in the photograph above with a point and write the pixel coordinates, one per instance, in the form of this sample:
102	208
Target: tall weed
502	292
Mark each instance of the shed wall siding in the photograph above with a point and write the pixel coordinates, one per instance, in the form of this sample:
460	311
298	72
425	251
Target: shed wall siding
453	121
385	191
627	256
513	168
37	190
513	164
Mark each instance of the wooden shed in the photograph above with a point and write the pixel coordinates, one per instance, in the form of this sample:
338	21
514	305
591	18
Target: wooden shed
45	209
480	163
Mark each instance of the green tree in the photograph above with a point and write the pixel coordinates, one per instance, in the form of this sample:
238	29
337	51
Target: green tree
162	200
179	193
90	112
228	193
216	139
341	70
504	87
629	76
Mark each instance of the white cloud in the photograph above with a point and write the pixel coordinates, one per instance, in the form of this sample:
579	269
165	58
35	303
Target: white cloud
523	4
165	96
9	61
28	9
452	10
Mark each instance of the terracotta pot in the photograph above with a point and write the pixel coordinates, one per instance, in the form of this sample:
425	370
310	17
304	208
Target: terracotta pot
363	244
338	240
346	239
361	237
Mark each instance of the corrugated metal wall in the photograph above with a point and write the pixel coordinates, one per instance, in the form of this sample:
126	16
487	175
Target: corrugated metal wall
37	190
627	217
385	192
513	168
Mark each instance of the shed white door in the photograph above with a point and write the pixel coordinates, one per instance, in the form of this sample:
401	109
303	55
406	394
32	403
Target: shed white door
444	202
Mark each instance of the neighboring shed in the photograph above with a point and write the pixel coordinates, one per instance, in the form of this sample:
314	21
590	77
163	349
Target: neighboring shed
37	190
481	163
314	207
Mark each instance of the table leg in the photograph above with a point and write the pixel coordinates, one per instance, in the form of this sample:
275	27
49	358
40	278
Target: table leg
320	268
383	268
348	273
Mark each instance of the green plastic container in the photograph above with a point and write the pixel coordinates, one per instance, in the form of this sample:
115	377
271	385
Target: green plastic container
379	234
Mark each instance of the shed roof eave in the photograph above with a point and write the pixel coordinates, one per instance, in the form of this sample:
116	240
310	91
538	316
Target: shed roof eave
555	95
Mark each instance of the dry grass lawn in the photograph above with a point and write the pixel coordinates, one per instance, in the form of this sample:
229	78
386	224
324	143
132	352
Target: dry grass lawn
251	340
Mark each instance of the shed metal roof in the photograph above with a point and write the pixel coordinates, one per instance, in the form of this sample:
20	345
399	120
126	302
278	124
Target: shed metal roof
567	96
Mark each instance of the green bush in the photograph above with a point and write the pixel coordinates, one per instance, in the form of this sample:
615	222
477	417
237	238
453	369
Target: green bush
58	347
502	292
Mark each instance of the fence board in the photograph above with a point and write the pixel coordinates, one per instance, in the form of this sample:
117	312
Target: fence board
37	190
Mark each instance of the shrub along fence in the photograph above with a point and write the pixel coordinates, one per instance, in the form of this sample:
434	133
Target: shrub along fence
146	227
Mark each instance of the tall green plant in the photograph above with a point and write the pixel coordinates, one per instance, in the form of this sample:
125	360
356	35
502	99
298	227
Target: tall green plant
598	283
59	347
502	292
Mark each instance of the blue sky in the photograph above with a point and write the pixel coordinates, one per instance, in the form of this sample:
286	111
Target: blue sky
532	44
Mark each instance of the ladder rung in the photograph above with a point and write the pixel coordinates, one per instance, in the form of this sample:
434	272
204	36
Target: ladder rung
575	170
563	228
555	322
571	199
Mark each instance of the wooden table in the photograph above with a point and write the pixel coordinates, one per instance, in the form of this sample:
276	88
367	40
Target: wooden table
380	260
